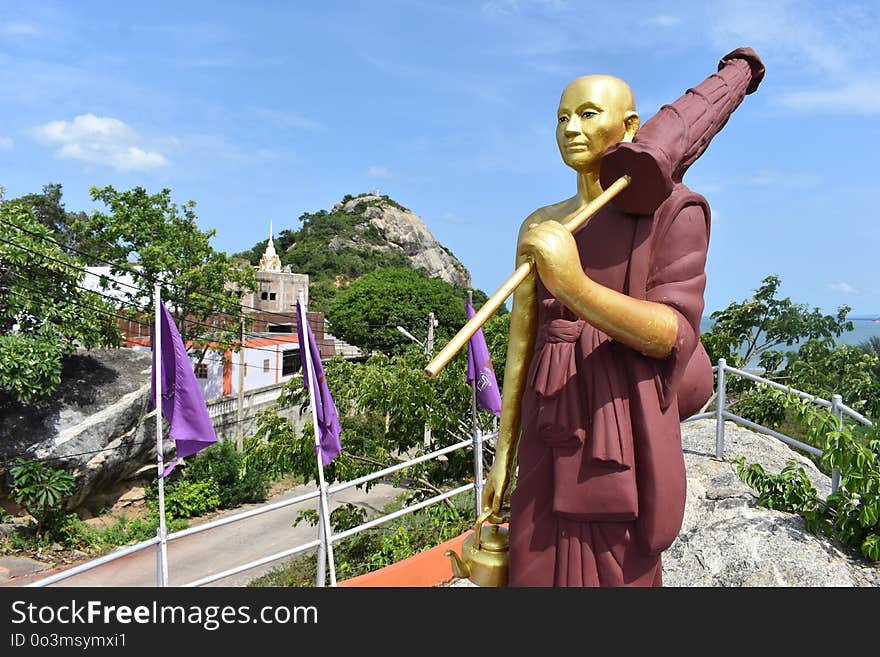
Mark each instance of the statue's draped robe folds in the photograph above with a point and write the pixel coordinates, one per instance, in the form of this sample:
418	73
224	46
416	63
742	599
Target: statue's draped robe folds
601	486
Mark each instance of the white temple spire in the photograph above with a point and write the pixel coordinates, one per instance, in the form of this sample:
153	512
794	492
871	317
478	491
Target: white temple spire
270	260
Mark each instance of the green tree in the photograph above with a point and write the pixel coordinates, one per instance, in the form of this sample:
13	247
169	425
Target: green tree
49	210
150	237
367	313
824	369
872	346
497	332
44	312
754	328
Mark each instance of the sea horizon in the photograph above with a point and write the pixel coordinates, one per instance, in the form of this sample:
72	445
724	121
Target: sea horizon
864	328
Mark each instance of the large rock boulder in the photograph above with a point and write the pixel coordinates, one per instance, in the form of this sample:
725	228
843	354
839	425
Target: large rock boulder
403	231
98	424
727	540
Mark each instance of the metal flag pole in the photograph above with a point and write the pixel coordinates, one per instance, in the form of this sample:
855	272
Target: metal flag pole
477	437
305	350
162	532
321	576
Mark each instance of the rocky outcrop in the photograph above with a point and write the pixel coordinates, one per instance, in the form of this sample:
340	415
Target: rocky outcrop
98	424
400	230
727	540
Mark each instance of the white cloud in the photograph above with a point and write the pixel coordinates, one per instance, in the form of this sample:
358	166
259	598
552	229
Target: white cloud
845	288
287	119
453	218
6	144
784	31
498	8
663	20
19	29
100	140
771	177
861	97
379	172
831	49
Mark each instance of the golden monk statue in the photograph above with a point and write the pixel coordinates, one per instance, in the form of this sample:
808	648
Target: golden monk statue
604	357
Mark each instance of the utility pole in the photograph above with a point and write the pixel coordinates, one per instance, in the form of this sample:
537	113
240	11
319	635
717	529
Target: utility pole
429	350
239	440
429	343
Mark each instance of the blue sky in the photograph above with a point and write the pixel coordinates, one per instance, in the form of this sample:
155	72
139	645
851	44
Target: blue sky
262	111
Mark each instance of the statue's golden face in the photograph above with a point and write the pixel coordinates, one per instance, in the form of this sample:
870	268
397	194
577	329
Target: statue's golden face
595	112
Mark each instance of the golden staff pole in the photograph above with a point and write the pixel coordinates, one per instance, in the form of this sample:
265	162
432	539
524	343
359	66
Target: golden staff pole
572	223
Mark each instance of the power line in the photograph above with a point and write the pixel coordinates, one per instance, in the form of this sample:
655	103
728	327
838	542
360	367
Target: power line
109	313
151	279
132	306
106	313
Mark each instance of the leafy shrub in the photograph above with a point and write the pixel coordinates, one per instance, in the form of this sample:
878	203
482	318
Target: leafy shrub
72	533
41	490
763	406
224	465
188	499
791	490
852	513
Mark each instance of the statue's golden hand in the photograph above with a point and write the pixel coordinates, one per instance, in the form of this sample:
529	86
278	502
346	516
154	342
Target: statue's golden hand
553	249
495	486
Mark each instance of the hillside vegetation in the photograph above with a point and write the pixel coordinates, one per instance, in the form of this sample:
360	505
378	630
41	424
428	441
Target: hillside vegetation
335	247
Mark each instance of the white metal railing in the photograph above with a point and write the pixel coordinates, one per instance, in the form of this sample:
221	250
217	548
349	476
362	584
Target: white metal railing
838	409
265	508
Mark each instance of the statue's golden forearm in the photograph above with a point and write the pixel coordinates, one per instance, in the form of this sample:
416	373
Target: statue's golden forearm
648	327
521	343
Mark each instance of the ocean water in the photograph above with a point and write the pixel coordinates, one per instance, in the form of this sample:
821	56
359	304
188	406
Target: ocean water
863	329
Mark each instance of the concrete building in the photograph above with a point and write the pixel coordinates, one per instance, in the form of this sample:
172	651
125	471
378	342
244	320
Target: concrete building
268	360
271	348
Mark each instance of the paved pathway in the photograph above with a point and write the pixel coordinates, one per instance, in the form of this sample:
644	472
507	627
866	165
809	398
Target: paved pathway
216	550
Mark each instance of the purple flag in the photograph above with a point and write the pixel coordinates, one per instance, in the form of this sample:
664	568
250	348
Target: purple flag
480	368
328	420
183	403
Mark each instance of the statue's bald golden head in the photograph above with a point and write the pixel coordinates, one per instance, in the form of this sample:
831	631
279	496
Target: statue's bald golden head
595	112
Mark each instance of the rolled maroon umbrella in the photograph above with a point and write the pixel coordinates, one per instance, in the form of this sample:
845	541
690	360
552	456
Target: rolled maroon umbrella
667	144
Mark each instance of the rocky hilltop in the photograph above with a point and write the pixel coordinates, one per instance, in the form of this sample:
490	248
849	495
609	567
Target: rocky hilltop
359	235
401	231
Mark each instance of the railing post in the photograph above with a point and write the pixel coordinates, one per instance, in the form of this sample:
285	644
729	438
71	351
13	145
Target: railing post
719	403
837	411
478	471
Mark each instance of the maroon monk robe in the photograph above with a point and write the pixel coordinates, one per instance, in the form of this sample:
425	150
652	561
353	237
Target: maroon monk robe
601	485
